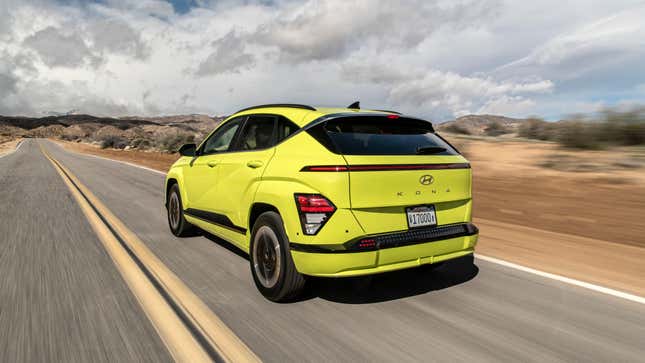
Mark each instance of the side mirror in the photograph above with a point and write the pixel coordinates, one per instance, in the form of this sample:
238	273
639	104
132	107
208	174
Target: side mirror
188	150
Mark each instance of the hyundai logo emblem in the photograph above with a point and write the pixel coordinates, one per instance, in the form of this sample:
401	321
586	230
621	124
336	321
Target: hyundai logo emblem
426	180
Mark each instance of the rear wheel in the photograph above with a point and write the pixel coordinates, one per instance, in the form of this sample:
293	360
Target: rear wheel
179	226
273	270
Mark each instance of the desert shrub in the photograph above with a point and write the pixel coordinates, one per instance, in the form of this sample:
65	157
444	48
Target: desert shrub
172	143
141	143
67	137
538	129
496	129
624	128
457	129
579	135
113	141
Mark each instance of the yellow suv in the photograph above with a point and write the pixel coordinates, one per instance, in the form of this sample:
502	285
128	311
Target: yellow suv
327	192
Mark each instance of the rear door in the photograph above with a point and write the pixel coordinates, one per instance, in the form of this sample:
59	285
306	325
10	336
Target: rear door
241	169
402	175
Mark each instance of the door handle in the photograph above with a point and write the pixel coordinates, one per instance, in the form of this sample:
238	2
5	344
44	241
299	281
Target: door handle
254	164
211	163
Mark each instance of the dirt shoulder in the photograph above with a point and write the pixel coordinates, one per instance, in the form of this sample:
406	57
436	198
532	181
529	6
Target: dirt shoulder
8	146
584	225
540	185
614	265
154	160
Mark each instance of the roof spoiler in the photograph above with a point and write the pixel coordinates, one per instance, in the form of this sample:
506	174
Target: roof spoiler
286	105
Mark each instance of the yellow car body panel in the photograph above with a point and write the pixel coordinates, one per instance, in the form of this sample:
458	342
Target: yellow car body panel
231	184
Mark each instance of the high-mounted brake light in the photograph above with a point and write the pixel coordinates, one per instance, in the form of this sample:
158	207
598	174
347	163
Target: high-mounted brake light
393	116
314	211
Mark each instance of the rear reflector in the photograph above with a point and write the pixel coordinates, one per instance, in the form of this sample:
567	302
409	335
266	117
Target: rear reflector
366	243
385	167
314	211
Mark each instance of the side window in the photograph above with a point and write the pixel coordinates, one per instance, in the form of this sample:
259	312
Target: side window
257	133
221	139
285	128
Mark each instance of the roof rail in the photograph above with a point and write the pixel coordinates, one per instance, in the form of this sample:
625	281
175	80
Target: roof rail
287	105
388	111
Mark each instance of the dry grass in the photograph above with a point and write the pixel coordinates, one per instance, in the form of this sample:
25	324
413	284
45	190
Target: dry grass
8	145
155	160
580	193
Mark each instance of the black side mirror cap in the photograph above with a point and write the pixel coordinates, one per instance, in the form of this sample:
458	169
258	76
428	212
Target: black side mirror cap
188	150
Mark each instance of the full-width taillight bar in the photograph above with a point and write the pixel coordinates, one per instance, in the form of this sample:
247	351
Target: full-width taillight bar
341	168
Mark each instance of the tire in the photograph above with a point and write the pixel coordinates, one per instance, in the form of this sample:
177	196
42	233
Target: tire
274	272
179	226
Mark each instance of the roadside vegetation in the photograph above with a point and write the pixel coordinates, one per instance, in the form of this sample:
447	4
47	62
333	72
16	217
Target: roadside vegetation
611	128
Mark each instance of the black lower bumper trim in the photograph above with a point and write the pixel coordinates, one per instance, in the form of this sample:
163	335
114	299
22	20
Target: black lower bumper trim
395	239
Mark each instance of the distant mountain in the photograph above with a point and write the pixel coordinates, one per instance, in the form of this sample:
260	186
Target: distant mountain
481	125
29	123
163	132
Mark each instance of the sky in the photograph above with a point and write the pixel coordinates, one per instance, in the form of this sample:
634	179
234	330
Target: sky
437	59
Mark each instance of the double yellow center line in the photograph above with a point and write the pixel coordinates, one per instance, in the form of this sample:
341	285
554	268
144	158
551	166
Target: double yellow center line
188	328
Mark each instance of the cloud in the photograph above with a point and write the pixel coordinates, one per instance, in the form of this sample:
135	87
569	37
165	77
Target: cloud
323	30
606	42
430	58
507	105
228	56
447	94
113	36
59	48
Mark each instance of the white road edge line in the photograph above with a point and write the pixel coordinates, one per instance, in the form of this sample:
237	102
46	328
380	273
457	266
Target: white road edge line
586	285
14	150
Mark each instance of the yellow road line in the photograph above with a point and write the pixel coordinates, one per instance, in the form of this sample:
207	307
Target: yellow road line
183	348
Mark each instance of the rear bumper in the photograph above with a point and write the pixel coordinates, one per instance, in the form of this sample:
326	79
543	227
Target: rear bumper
351	263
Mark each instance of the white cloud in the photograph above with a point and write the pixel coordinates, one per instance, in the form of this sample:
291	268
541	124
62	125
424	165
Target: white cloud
431	58
458	95
229	55
58	48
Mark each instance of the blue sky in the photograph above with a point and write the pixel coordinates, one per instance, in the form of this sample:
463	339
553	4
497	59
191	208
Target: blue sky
438	59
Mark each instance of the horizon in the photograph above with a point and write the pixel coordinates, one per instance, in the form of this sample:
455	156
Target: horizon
121	57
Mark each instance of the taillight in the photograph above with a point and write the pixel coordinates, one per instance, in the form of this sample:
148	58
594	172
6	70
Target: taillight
314	210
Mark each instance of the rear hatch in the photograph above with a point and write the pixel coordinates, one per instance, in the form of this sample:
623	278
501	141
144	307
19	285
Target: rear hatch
402	174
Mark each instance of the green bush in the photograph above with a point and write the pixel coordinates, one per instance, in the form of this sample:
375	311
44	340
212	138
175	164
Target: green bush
172	143
538	129
116	142
141	143
613	128
457	129
496	129
579	135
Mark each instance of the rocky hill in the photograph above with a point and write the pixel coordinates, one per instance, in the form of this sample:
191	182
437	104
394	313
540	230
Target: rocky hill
479	125
159	133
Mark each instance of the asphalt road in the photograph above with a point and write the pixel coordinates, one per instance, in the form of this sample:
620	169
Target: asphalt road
61	299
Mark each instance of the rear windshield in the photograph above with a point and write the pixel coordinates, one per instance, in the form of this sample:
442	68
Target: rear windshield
380	135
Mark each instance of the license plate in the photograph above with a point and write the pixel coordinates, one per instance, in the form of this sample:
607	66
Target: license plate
421	216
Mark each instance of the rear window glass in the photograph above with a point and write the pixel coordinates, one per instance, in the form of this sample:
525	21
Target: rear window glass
380	135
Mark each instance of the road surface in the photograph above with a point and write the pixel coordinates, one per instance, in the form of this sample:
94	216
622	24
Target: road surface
62	299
